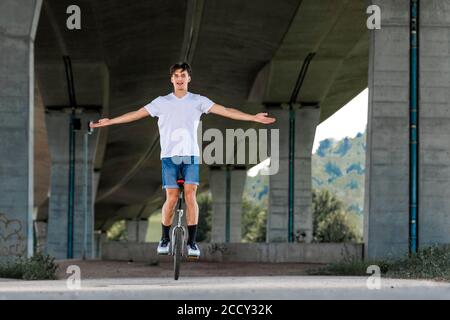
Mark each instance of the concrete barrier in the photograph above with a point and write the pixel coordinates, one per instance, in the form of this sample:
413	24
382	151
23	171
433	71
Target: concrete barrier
242	252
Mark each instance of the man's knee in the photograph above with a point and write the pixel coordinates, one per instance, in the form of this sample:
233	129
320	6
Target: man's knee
172	197
190	195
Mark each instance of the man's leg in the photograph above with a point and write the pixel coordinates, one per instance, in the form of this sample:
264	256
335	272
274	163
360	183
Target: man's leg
190	191
168	210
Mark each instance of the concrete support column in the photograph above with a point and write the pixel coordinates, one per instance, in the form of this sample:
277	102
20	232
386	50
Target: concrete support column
18	23
434	123
236	177
58	135
100	237
307	119
40	231
137	230
387	167
386	207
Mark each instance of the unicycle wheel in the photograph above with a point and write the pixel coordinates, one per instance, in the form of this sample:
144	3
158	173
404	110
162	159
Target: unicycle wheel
178	248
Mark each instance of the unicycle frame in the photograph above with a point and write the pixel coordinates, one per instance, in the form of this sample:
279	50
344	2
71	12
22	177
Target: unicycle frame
178	226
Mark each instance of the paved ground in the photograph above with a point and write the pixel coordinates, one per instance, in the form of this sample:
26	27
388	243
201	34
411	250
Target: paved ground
164	269
224	288
216	281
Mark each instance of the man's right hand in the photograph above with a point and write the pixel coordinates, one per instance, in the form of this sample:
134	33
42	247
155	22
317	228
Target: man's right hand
101	123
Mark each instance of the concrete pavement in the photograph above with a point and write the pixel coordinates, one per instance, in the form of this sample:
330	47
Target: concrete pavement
224	288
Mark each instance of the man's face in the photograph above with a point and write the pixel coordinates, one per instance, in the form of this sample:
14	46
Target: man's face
180	80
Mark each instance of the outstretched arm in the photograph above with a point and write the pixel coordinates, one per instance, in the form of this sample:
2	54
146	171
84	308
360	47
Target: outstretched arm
125	118
239	115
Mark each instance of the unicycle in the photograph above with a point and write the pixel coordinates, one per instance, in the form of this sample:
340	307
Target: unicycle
178	233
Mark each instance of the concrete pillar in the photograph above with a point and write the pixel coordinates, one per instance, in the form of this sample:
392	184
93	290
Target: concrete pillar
100	237
387	167
58	136
307	119
18	23
387	158
218	186
40	231
434	117
137	230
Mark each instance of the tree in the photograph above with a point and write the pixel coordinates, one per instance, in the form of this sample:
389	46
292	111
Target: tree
336	228
331	223
118	231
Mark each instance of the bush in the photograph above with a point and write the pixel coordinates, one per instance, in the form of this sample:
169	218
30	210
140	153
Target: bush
330	221
254	221
118	231
429	263
38	267
336	228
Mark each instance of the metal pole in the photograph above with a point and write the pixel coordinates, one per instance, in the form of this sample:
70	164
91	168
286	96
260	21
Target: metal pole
295	92
414	128
71	187
86	209
227	204
291	172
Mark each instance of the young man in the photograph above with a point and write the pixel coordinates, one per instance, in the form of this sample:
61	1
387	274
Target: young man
178	118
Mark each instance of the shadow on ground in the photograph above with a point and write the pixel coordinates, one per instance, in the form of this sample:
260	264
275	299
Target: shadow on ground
119	269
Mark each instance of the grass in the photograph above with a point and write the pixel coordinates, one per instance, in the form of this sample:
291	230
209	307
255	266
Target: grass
429	263
38	267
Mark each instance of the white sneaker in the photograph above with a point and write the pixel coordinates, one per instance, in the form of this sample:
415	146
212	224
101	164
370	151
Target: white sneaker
163	247
193	250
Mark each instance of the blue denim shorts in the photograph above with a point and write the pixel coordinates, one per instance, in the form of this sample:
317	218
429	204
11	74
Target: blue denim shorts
186	167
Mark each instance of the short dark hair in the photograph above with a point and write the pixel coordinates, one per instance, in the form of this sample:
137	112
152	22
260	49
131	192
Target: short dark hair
184	66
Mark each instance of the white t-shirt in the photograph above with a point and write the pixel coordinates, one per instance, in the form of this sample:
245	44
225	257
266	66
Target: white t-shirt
178	120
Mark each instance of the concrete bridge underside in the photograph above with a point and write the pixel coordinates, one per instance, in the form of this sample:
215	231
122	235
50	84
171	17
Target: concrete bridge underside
245	55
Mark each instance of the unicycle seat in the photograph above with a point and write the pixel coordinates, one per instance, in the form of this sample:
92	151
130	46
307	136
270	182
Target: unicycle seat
180	182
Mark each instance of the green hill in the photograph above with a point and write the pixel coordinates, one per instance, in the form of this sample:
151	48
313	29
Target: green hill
339	167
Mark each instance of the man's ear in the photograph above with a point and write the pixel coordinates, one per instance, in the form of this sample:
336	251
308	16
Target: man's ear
189	79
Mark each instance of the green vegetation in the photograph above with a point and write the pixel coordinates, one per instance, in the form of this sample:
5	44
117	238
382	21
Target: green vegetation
429	263
331	222
118	231
339	166
254	221
38	267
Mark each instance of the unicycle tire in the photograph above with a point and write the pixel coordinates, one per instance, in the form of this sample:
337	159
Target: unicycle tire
178	248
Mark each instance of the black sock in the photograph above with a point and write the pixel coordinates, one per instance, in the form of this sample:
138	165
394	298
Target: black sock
192	230
165	232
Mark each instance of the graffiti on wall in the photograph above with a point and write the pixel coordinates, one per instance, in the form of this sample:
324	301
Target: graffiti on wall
12	240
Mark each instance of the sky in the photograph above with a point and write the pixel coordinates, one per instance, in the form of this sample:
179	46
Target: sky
347	122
